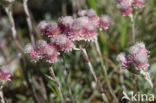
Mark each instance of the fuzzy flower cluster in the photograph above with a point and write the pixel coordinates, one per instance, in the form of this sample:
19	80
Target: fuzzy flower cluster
65	33
42	50
137	57
4	74
126	6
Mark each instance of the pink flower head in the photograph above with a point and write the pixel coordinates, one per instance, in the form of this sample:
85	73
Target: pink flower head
63	42
104	22
53	29
141	61
123	60
49	29
83	29
50	53
41	44
43	25
91	14
89	32
139	3
125	7
66	21
33	53
79	29
5	74
83	21
140	55
138	48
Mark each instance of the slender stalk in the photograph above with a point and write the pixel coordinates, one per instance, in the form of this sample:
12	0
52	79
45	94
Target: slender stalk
133	28
13	29
19	49
85	56
43	89
1	95
28	21
66	81
133	38
53	77
105	71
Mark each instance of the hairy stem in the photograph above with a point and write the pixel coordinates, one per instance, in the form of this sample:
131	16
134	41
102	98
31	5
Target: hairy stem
19	49
28	21
13	29
53	77
133	28
133	38
105	71
85	56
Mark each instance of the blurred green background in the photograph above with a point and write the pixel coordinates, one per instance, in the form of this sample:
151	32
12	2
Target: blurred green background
113	41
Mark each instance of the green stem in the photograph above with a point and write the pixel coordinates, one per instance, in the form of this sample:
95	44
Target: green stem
133	38
19	49
133	28
85	56
105	71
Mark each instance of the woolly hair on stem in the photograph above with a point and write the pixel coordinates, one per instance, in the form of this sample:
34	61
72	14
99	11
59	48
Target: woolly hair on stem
28	18
85	56
105	71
